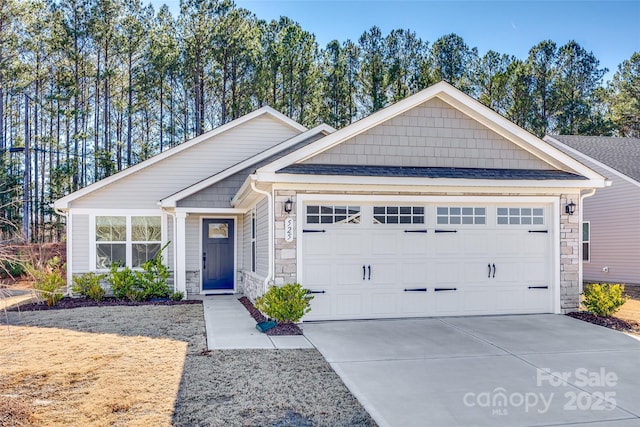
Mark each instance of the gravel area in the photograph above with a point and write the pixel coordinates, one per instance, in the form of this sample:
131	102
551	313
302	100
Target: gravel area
216	388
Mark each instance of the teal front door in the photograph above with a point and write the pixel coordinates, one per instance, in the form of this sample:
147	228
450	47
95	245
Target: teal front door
217	254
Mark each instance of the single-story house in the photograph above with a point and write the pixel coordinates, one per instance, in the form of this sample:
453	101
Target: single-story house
433	206
610	218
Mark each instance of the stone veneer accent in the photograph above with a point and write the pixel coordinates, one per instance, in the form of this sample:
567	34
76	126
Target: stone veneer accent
193	283
569	254
285	252
252	286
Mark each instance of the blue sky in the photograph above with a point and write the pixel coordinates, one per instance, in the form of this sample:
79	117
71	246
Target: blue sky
610	29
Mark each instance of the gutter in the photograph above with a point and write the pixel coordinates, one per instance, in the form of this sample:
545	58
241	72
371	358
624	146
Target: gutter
269	279
581	219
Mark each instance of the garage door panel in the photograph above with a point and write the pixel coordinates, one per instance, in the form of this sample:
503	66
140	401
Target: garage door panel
416	302
384	303
421	262
349	304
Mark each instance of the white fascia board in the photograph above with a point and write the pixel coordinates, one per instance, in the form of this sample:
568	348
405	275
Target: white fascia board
358	127
211	211
592	160
519	136
63	202
458	100
172	200
431	182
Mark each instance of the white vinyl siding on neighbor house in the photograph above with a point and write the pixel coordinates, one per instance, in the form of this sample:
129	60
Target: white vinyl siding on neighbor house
262	238
146	187
80	243
614	232
431	135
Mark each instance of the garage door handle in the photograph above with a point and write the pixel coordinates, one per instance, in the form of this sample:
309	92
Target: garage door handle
494	270
369	272
364	272
538	287
416	290
489	265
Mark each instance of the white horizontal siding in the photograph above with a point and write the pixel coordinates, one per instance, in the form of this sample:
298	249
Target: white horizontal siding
431	135
262	238
80	243
192	239
144	188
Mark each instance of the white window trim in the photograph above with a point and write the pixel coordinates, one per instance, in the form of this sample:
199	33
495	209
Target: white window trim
117	212
582	242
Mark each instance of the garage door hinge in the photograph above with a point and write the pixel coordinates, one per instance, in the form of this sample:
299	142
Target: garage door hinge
538	231
538	287
445	289
317	292
415	231
416	290
313	231
445	231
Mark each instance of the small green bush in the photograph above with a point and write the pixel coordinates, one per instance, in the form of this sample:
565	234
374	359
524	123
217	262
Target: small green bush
49	282
88	285
177	296
153	278
603	299
11	268
124	283
287	303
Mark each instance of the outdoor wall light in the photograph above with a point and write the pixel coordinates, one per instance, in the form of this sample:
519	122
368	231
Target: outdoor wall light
288	206
570	208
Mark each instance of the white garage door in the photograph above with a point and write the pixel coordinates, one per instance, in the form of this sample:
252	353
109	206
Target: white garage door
388	260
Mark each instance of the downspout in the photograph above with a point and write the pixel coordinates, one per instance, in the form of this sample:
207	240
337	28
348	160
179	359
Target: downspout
268	280
580	220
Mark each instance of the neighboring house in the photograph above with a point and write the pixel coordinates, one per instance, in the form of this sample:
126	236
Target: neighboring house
611	217
433	206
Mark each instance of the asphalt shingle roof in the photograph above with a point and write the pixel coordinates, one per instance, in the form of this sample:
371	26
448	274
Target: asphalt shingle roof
621	154
425	172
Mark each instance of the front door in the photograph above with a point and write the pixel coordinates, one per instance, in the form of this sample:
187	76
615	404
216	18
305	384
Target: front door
217	254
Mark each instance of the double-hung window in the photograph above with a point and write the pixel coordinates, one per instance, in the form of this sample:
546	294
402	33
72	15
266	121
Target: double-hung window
126	240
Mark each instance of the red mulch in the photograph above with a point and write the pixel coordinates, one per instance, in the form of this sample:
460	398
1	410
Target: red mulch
66	303
607	321
280	329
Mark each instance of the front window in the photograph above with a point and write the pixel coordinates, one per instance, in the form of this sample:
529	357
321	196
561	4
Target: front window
126	240
586	241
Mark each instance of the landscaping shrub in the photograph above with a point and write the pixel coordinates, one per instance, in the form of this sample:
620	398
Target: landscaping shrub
11	268
153	278
177	296
603	299
124	283
49	282
287	303
88	285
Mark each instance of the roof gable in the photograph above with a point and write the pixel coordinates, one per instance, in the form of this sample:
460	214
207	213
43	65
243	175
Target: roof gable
538	151
619	154
218	139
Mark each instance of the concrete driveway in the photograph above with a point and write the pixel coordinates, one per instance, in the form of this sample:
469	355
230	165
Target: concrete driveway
535	370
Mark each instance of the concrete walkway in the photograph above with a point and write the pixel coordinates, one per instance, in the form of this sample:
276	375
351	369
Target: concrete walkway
537	370
230	326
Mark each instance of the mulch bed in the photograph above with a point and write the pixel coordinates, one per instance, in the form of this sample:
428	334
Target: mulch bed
610	322
66	303
280	329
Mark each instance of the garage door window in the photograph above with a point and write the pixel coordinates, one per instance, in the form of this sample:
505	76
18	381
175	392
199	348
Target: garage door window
331	214
461	215
398	214
517	216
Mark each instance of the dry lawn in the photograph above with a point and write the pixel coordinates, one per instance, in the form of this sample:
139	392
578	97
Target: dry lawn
147	366
76	367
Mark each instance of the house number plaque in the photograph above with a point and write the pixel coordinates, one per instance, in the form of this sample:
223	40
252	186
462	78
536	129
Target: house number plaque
288	229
